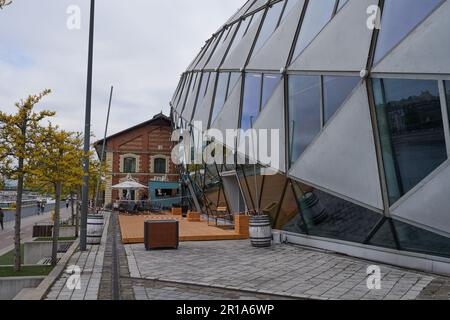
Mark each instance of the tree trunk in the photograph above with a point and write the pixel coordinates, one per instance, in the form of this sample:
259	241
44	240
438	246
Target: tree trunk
17	226
77	217
56	223
72	208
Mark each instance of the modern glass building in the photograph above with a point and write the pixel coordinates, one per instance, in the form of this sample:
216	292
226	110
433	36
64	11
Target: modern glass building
364	119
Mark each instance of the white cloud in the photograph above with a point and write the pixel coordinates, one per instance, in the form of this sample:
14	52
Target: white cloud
141	47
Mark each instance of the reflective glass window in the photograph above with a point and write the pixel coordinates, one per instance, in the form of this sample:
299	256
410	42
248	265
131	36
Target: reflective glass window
160	166
186	91
234	77
240	33
221	94
412	238
317	16
398	19
341	4
384	236
258	89
335	91
411	130
202	90
327	216
180	90
290	4
191	90
129	165
209	52
271	198
269	25
270	83
304	113
251	100
447	90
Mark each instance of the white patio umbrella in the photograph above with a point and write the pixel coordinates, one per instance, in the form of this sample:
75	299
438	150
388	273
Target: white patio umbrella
129	184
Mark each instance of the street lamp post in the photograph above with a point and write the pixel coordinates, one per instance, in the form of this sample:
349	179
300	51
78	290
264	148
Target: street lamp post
87	135
97	191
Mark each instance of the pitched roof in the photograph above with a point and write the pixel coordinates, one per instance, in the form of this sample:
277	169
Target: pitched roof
160	117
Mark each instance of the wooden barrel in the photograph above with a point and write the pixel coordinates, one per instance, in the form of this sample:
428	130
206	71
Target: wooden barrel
260	231
94	229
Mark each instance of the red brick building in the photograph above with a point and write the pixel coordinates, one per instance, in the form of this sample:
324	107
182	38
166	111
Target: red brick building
144	151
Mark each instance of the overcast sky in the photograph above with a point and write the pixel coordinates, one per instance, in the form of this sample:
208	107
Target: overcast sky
141	47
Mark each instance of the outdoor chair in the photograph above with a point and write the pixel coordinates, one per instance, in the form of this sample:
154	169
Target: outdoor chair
220	213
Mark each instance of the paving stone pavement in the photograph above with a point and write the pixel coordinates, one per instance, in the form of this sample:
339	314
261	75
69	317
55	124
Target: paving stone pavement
284	270
91	265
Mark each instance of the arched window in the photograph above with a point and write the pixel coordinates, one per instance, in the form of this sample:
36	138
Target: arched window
129	165
160	166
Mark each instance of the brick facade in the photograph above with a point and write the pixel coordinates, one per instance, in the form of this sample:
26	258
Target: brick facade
145	143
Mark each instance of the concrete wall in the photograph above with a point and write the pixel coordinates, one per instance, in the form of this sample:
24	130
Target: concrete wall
36	250
10	287
67	232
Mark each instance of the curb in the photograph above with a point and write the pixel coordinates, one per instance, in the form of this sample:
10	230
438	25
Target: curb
40	292
231	288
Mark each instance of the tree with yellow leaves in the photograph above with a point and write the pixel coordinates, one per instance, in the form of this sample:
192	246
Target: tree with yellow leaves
18	134
57	165
4	3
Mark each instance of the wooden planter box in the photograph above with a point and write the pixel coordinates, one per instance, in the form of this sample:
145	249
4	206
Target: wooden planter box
177	211
193	216
161	234
242	225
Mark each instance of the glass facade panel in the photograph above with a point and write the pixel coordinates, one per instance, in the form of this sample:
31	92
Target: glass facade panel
335	91
384	236
447	90
272	195
202	90
240	33
289	6
331	217
317	16
270	83
221	94
251	185
304	113
411	131
399	18
184	92
289	212
210	51
251	100
341	4
269	25
414	239
234	78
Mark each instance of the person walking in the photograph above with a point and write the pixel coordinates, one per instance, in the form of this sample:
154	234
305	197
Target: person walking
67	203
42	207
2	217
38	207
